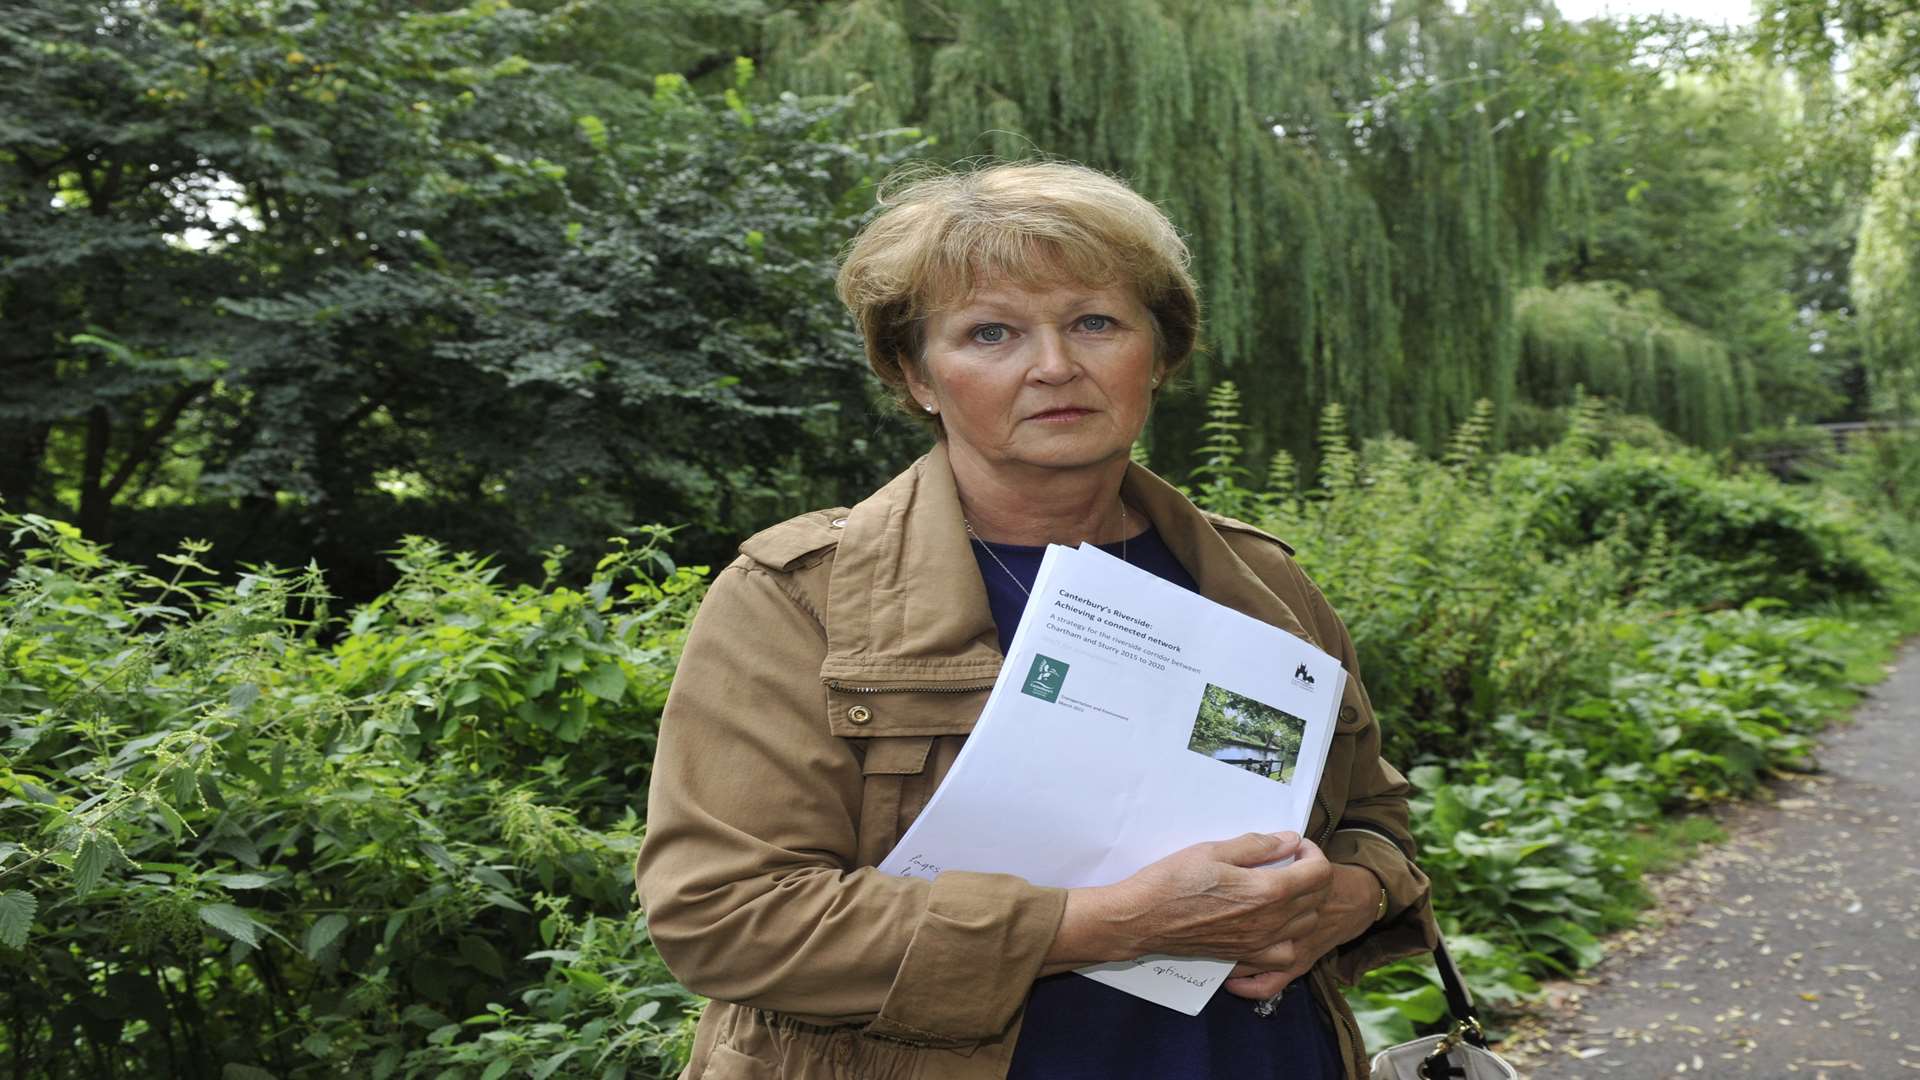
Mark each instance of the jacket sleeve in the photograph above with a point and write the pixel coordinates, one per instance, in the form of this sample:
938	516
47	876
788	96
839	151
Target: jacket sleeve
1373	830
748	872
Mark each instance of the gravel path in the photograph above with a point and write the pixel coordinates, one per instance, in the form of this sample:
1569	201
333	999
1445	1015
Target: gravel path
1792	950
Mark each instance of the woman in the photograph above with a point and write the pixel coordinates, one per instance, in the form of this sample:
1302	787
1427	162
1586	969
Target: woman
1030	313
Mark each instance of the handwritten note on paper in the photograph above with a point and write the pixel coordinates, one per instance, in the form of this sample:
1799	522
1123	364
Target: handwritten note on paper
1131	719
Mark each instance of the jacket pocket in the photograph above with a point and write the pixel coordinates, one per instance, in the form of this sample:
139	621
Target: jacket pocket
907	740
893	774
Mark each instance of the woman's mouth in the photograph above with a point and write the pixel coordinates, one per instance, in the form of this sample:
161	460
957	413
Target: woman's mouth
1061	416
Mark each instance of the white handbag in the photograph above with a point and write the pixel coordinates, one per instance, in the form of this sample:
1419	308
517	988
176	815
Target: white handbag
1460	1054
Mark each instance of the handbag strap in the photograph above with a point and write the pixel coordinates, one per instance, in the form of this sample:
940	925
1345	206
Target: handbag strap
1459	1002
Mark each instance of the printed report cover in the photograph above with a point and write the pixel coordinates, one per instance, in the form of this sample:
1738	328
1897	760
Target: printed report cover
1131	718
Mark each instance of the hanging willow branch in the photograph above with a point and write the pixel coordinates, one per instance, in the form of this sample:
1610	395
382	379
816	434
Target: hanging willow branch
1366	185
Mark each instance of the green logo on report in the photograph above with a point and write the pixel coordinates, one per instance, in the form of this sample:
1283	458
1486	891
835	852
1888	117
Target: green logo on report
1044	678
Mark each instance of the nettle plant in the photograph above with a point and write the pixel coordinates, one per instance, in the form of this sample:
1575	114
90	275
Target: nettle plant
243	835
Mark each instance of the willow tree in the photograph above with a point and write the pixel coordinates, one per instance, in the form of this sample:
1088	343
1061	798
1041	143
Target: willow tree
1627	347
1886	284
1364	183
1882	43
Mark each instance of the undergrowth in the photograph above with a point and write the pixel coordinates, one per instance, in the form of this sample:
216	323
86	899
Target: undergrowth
1569	651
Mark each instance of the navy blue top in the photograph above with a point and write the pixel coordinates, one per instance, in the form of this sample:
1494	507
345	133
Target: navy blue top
1078	1029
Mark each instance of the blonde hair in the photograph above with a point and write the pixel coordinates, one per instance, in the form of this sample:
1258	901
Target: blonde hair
939	236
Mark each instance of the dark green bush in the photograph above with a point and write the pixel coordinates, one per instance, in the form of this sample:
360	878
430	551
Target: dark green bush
1728	539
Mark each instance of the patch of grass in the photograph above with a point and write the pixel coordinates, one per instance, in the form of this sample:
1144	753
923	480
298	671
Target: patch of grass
1865	640
1657	848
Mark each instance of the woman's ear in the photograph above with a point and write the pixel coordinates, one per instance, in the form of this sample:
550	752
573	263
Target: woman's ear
918	386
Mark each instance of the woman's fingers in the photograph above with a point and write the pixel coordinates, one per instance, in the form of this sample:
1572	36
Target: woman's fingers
1259	987
1255	848
1281	957
1225	898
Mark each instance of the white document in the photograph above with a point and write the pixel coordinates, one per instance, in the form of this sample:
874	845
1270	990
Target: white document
1132	718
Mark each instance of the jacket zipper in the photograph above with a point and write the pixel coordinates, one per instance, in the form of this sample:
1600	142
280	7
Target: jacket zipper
1360	1066
1341	1009
1326	834
1334	1004
835	684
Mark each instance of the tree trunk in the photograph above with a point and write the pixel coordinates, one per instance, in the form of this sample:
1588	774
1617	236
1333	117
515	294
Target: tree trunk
96	503
22	447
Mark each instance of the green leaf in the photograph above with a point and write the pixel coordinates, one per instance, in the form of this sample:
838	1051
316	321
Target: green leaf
482	956
89	863
543	680
498	1069
551	1065
16	916
242	697
606	682
241	881
232	921
324	932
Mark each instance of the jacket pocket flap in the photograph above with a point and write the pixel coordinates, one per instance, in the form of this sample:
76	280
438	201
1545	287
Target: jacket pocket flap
905	712
900	756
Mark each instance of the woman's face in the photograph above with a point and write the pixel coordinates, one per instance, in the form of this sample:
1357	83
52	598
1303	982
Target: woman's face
1023	378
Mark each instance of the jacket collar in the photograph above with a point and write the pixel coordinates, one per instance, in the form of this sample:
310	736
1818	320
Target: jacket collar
905	604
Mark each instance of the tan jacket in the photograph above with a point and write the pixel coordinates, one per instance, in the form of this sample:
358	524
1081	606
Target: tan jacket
829	680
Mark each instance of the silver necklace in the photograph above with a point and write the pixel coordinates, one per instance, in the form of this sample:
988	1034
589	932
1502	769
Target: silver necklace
1011	576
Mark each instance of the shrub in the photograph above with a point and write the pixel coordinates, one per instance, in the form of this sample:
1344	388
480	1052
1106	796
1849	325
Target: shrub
1563	647
1727	539
245	835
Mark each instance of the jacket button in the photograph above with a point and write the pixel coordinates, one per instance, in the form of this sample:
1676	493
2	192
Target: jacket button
838	523
1347	713
859	714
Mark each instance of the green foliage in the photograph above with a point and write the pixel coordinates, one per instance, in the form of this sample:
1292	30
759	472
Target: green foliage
1877	485
1787	450
1886	267
456	267
1691	185
1565	646
1220	477
1728	539
245	832
1384	176
1625	346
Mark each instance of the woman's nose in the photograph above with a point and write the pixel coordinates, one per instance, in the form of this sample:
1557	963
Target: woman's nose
1052	361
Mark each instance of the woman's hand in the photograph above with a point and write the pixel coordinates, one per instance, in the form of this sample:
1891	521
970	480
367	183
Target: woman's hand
1348	907
1217	899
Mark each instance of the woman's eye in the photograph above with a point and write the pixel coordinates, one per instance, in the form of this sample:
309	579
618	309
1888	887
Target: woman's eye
1097	323
990	334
